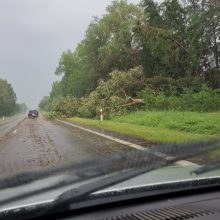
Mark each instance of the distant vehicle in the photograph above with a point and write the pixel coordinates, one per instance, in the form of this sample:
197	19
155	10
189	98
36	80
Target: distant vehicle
33	114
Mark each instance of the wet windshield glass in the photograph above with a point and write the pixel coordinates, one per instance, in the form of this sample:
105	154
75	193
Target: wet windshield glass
86	84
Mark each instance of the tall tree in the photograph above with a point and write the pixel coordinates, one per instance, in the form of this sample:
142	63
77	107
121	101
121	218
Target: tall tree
179	39
204	26
45	103
56	91
109	44
211	31
162	36
7	98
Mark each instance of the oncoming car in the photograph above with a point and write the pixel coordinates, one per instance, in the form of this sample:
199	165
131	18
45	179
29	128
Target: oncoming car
33	114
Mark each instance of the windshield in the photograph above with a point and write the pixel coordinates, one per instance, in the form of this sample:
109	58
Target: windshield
91	89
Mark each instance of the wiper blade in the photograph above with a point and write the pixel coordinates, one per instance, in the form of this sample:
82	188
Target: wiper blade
213	165
176	150
120	166
160	156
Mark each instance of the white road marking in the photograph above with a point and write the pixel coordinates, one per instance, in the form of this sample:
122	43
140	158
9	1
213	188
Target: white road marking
185	163
14	131
136	146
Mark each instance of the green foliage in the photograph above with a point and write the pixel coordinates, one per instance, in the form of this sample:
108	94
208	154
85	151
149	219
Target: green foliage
56	91
7	98
175	46
200	123
116	94
161	35
50	115
65	106
89	106
113	94
73	66
204	100
172	86
45	103
213	78
109	44
179	39
119	48
147	132
21	108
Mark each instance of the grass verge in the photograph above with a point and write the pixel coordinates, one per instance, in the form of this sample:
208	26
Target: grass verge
8	118
149	133
193	122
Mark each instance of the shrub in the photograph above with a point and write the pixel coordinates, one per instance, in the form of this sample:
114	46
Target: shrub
206	99
120	92
50	115
113	94
170	86
89	105
65	106
213	78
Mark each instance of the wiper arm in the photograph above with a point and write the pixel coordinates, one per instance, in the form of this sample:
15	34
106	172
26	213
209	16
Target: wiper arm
87	170
213	165
143	162
160	156
162	151
64	201
119	166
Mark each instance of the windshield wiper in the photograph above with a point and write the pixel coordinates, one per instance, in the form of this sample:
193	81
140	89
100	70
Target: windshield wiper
113	169
213	165
169	150
160	156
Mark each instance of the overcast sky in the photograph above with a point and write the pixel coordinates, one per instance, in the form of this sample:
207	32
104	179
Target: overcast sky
33	35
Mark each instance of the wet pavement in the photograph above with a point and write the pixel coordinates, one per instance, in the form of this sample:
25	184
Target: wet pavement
9	123
36	144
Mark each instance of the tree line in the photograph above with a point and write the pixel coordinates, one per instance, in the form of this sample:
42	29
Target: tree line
8	105
170	41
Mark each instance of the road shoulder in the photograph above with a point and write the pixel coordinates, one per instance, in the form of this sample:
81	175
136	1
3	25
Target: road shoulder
10	125
136	140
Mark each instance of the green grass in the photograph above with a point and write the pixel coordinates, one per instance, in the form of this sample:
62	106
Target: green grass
6	118
150	133
193	122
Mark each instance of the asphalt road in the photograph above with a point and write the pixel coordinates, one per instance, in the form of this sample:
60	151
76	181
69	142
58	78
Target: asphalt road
7	124
36	144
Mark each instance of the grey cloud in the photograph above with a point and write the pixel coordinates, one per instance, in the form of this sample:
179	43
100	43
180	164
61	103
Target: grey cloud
33	35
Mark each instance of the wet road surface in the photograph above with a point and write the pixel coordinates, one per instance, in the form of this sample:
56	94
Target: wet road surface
39	144
7	124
